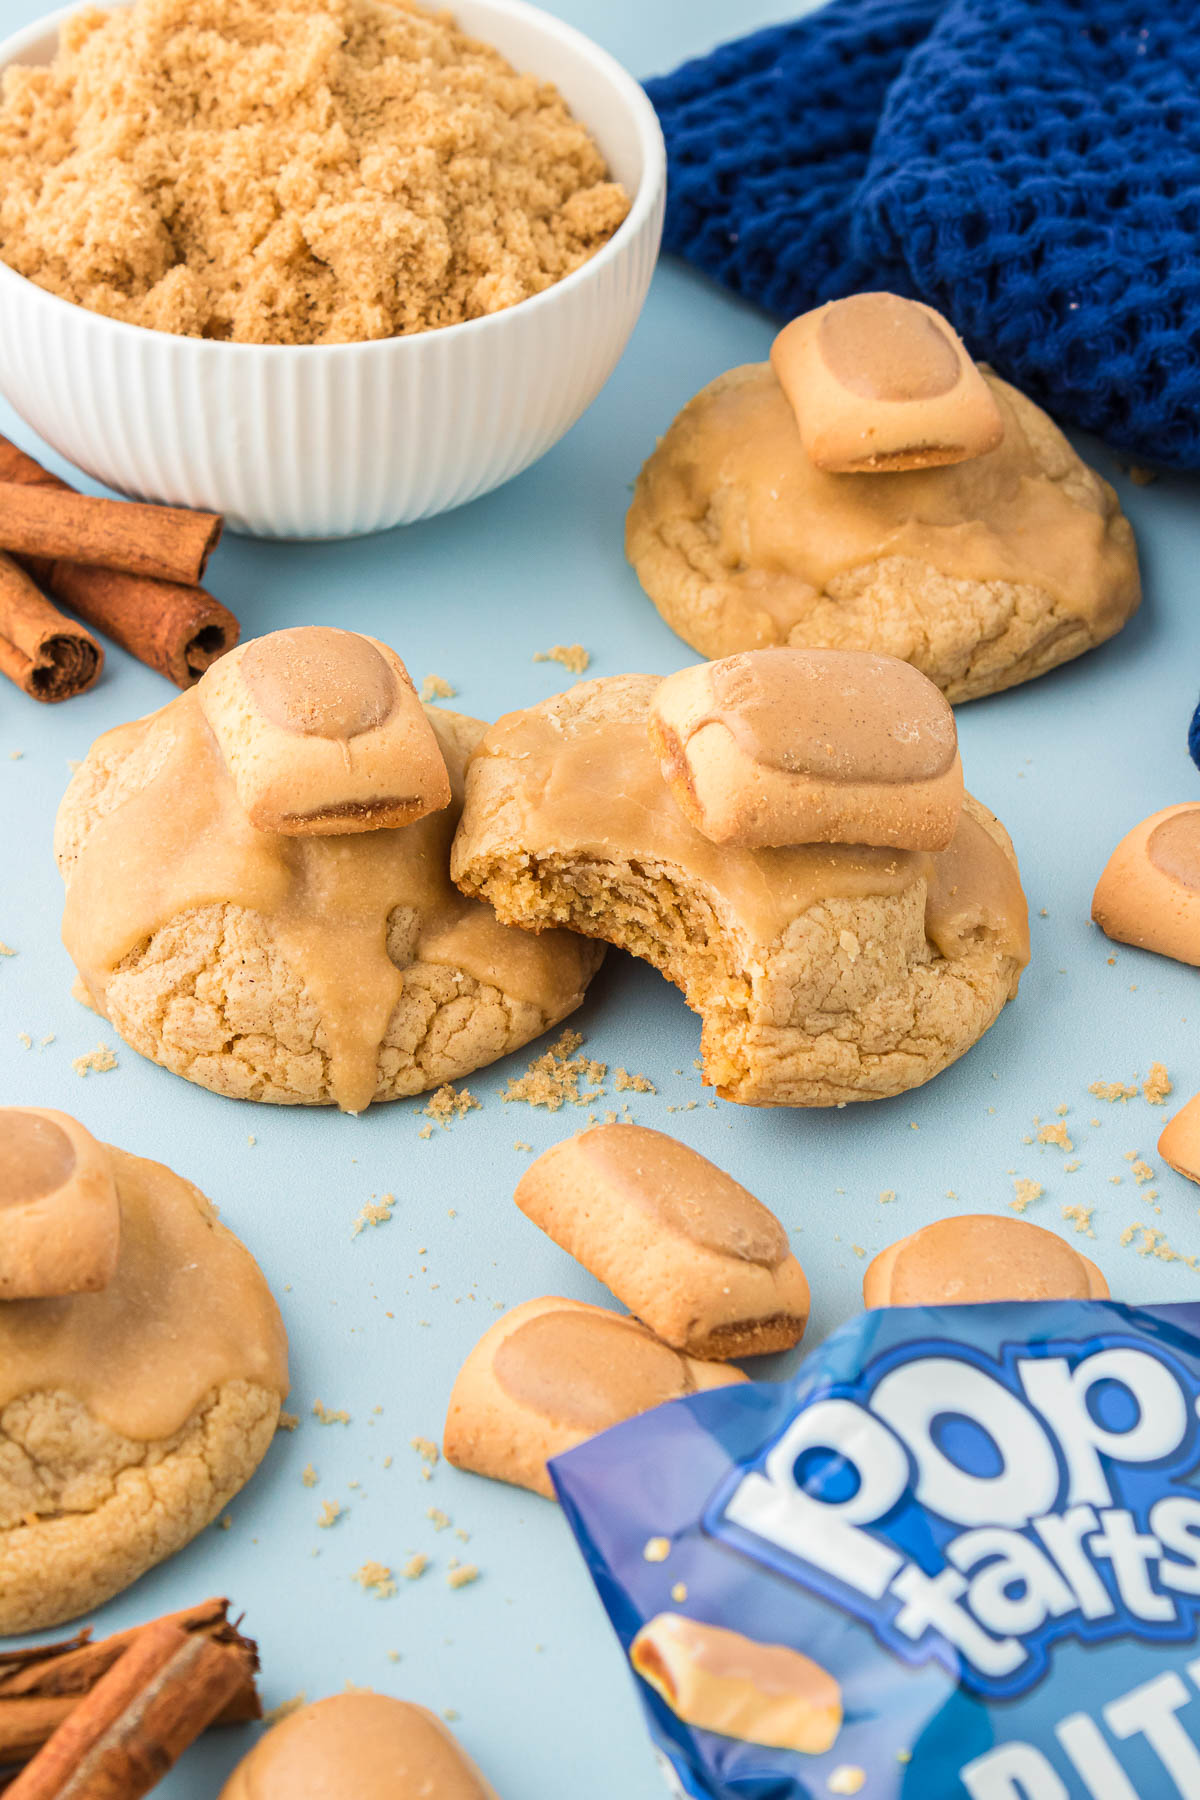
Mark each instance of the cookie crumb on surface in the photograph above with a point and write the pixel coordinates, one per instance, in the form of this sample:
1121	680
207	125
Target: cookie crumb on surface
572	656
847	1778
624	1082
462	1577
1025	1193
426	1449
309	1476
330	1415
1157	1085
1115	1090
679	1593
656	1549
376	1578
7	950
555	1076
98	1061
1055	1134
329	1514
448	1103
439	1519
415	1566
436	687
287	1421
1081	1218
375	1212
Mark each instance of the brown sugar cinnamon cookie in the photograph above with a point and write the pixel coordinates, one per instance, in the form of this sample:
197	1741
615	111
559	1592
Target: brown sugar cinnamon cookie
229	935
700	1261
362	1746
870	488
822	972
142	1367
1149	893
552	1373
979	1257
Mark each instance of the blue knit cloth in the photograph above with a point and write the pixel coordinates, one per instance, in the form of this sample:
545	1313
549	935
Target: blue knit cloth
1029	167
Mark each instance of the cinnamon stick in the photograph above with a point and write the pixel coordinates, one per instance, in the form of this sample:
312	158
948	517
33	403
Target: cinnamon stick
175	629
47	655
167	543
137	1721
41	1687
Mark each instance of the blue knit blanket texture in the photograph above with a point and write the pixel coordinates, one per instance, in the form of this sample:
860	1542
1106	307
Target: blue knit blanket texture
1031	168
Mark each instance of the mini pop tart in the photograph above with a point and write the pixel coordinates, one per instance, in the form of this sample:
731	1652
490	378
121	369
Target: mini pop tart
1149	893
60	1217
776	747
322	733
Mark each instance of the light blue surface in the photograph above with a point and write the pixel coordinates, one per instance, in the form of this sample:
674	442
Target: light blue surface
383	1320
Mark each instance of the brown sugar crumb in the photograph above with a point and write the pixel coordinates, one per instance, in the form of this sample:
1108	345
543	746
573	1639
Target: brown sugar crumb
376	1578
329	1415
463	1577
1055	1134
293	171
285	1709
436	687
1025	1193
426	1449
556	1075
447	1104
329	1515
1114	1090
98	1061
1157	1085
1081	1218
572	656
287	1421
439	1519
1154	1243
309	1476
624	1082
415	1567
376	1212
1141	1172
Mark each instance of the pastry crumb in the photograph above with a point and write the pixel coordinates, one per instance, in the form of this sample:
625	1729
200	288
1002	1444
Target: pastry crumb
426	1449
376	1578
447	1104
7	950
415	1567
624	1082
1055	1134
329	1514
1025	1193
462	1577
555	1076
375	1212
679	1593
1081	1218
656	1549
439	1519
847	1778
1114	1090
330	1415
1157	1085
572	656
98	1061
436	687
309	1476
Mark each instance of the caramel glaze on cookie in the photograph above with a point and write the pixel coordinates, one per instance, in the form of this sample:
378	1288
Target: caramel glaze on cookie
297	969
821	972
983	574
130	1415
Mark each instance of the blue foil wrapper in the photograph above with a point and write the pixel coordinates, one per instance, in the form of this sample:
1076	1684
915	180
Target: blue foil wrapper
981	1523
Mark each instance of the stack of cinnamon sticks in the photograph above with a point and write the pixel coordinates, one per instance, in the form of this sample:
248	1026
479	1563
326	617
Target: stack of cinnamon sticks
106	1720
131	571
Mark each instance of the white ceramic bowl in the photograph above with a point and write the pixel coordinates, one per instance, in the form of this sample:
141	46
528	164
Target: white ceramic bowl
326	441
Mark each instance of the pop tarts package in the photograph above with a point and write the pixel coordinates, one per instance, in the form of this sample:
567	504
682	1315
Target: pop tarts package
955	1557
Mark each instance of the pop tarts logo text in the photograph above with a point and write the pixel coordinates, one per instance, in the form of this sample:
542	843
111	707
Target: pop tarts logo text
974	1509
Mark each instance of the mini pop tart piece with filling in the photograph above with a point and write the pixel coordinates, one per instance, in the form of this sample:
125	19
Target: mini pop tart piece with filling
322	733
60	1217
980	1257
782	747
1149	893
722	1681
878	383
552	1373
699	1260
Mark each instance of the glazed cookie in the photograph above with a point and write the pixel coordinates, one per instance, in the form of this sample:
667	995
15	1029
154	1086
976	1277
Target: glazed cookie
978	1257
134	1406
291	965
358	1746
871	489
821	972
552	1373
